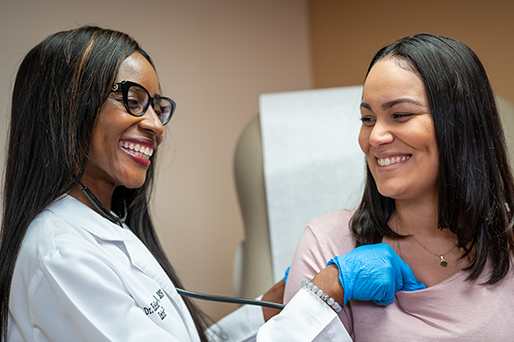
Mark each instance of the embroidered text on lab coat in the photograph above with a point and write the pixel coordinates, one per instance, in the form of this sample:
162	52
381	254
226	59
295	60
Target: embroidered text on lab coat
155	306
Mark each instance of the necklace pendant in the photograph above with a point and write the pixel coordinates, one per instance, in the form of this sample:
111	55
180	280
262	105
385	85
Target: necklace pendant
443	262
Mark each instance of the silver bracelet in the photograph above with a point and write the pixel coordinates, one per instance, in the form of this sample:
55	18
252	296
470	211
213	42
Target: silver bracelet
325	297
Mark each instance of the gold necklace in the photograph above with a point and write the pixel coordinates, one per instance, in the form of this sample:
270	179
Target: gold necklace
444	263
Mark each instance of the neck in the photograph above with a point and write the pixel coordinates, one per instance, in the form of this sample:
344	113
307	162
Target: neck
418	219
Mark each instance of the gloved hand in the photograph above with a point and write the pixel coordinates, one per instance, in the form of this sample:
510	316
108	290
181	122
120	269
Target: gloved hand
374	272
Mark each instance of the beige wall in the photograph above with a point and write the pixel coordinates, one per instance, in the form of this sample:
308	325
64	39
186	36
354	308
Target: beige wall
346	34
214	58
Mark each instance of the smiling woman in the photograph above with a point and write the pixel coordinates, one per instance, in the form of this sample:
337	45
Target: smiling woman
65	269
79	257
439	193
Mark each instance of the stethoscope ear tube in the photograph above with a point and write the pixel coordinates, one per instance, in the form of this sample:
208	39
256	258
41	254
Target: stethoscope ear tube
99	206
229	299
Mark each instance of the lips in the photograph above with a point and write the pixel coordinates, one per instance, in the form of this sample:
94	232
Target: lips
391	160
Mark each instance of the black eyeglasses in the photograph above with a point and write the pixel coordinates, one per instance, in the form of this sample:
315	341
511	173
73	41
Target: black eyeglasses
137	99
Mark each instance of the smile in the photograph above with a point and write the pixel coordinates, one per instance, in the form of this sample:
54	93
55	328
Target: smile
141	151
391	160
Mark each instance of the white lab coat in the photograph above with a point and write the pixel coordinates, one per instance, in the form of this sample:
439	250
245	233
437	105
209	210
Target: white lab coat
79	277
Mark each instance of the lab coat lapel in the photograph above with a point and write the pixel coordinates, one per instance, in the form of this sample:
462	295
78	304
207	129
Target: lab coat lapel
143	260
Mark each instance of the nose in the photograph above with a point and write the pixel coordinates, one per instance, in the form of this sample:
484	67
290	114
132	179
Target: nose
380	134
151	122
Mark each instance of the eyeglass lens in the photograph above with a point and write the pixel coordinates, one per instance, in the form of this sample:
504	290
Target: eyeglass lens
137	100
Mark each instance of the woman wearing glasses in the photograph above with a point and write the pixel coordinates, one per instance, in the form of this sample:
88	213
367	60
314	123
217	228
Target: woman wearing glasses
86	119
79	258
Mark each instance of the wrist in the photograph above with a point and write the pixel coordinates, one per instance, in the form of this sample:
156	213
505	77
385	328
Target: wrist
328	280
322	295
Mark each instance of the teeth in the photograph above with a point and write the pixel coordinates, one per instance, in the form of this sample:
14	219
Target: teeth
138	150
392	160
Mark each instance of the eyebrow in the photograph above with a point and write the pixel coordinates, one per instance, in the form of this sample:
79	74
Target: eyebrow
391	104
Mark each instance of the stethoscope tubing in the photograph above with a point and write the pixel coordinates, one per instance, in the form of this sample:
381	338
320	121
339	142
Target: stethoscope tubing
234	300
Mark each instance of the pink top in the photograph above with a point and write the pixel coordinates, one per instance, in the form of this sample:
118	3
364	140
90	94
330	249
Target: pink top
453	310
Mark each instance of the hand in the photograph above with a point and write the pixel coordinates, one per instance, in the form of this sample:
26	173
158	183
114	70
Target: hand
374	272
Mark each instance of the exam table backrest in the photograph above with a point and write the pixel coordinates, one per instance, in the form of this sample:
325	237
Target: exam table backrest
252	261
298	160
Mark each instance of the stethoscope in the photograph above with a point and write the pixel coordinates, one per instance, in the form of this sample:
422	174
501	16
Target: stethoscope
120	220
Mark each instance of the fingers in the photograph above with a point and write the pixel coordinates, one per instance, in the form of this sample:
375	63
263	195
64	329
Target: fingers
410	283
385	301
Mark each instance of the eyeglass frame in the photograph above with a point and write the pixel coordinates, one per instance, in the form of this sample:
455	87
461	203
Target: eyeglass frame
124	86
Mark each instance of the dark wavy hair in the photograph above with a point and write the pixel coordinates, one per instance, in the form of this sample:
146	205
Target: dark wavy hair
59	90
476	190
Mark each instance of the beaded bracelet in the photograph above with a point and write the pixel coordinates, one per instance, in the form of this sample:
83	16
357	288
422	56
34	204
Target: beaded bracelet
325	297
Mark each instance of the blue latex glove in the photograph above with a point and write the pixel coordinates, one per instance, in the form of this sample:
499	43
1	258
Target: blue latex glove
374	272
286	275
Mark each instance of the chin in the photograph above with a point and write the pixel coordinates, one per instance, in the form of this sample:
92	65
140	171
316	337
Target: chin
134	184
390	192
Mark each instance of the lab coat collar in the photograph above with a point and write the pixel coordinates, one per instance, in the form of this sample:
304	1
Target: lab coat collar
80	214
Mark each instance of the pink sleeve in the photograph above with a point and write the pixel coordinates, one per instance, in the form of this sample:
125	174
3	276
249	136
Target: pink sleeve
322	240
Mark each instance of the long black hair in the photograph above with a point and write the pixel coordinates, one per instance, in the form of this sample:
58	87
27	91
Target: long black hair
476	191
59	90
